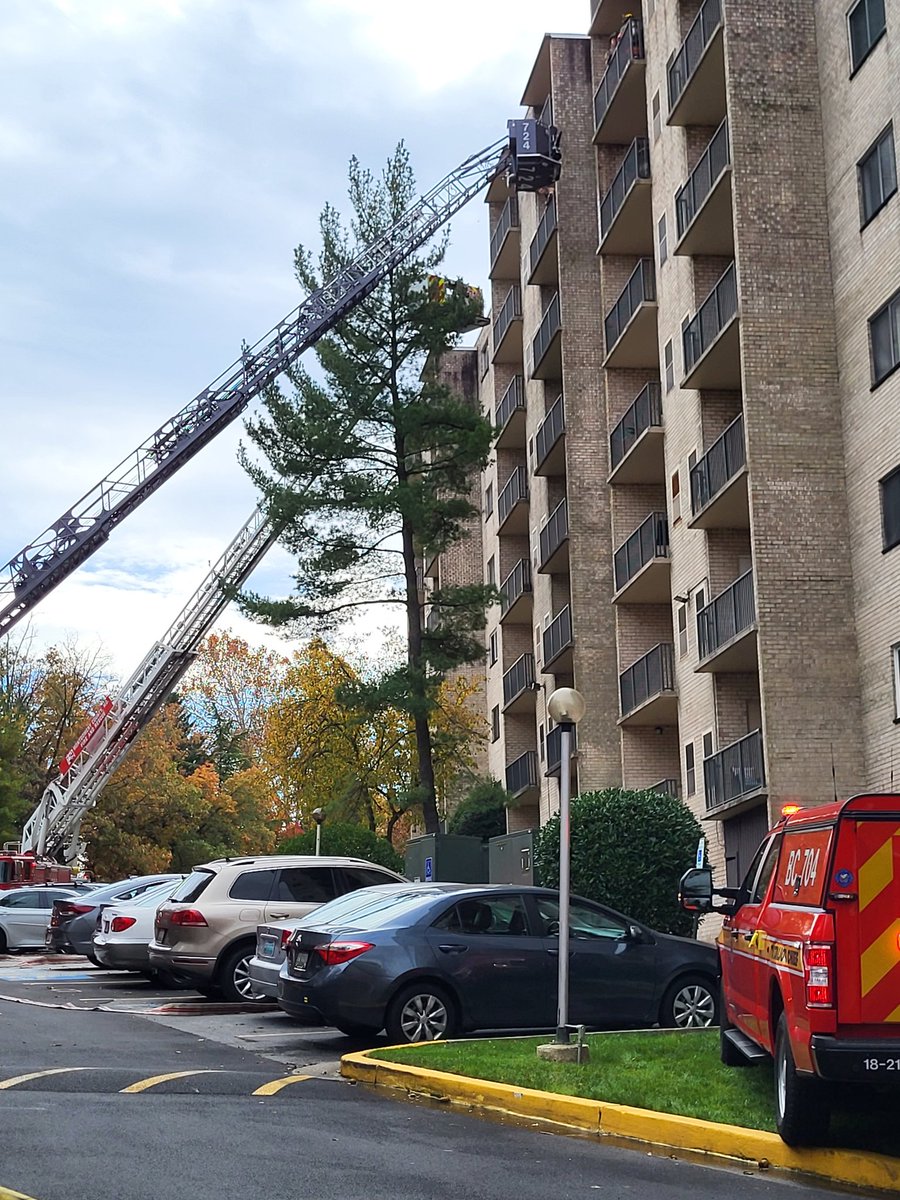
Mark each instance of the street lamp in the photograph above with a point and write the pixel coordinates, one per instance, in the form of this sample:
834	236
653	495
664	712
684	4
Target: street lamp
318	815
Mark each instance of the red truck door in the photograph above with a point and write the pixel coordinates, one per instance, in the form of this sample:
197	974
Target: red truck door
741	965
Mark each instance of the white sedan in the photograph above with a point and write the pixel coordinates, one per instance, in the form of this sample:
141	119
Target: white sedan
124	930
25	915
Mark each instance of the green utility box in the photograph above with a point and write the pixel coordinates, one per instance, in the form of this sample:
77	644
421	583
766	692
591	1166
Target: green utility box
446	858
511	858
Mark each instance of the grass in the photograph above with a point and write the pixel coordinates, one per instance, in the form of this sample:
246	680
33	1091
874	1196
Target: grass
669	1071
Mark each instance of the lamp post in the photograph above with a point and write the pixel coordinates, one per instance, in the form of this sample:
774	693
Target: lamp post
318	815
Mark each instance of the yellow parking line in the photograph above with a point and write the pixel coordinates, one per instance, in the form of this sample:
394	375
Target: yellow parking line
6	1194
144	1085
17	1079
275	1085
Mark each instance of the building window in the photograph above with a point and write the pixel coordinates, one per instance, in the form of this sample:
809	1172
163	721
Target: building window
690	772
495	723
884	337
663	239
541	740
877	171
492	571
493	645
488	500
657	120
867	25
682	630
707	745
676	498
484	360
890	509
669	355
895	656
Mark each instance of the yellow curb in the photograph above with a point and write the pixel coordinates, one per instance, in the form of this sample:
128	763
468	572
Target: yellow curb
875	1171
6	1194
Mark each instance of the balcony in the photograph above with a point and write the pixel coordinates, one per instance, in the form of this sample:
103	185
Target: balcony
719	498
703	209
697	72
630	325
620	106
433	620
509	416
626	217
735	774
726	629
607	16
505	242
522	776
549	442
665	787
508	328
519	688
512	503
546	347
641	564
636	444
542	264
554	542
712	340
558	642
647	689
554	749
516	595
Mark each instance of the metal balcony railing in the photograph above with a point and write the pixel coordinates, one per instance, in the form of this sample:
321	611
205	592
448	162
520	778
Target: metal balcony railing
690	198
545	230
648	677
519	678
555	531
433	620
554	748
510	310
645	413
549	431
522	773
558	635
666	787
735	772
514	490
718	466
640	289
507	221
512	400
719	307
630	49
732	612
650	540
516	584
635	166
684	64
547	330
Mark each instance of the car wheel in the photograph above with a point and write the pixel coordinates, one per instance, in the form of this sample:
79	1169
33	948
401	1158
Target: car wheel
4	946
802	1105
92	957
421	1012
690	1003
356	1031
234	977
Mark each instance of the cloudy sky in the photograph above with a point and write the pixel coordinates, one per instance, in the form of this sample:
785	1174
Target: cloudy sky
161	159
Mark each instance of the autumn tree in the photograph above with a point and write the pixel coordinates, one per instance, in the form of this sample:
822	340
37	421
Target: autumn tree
363	466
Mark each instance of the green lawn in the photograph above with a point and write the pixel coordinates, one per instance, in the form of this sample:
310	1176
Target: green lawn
668	1071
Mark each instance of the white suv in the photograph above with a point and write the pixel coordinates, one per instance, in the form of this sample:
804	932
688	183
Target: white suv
205	933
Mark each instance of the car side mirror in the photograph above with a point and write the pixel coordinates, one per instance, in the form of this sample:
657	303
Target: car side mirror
695	891
634	933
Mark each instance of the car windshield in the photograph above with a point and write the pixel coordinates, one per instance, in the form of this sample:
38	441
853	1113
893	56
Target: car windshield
370	908
157	894
190	889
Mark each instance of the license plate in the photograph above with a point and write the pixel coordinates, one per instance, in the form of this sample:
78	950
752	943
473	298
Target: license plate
160	935
106	925
301	961
267	946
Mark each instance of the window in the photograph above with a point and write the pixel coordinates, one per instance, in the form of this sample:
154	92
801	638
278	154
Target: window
890	509
707	745
495	723
584	921
488	500
669	356
193	887
492	571
503	915
682	630
492	642
877	174
867	25
663	239
657	121
20	900
252	885
306	885
884	335
350	879
541	741
699	601
895	655
761	886
676	498
483	360
690	772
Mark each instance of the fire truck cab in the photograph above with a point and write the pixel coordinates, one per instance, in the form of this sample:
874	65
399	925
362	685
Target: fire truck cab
809	953
22	870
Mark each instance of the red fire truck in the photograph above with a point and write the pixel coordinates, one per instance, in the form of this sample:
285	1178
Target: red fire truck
20	870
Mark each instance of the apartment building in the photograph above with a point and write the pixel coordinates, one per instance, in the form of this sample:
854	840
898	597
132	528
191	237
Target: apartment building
693	510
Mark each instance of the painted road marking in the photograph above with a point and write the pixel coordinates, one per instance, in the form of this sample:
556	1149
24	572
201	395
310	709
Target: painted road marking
6	1194
17	1079
275	1085
144	1085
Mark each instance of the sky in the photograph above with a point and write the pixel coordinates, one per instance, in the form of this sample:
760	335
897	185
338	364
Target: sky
161	159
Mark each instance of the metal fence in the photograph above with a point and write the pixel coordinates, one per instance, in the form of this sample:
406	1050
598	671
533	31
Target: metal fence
648	677
522	773
640	288
516	584
722	461
509	219
735	772
558	635
545	230
510	311
547	331
519	677
554	748
645	413
730	613
684	64
650	540
635	166
514	490
719	307
549	431
690	198
630	49
555	531
512	400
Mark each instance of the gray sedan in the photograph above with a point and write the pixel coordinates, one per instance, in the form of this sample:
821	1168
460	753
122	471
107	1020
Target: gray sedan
74	920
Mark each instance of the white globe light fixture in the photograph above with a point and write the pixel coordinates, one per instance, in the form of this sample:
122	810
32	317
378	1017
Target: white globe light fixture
566	706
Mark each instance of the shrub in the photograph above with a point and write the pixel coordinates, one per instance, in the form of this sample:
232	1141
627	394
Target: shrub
346	839
483	811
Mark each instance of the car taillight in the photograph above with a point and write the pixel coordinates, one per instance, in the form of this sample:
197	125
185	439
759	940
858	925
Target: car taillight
285	937
67	909
186	916
818	964
120	924
340	952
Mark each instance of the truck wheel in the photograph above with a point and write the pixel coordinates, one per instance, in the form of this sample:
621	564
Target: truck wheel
802	1105
729	1054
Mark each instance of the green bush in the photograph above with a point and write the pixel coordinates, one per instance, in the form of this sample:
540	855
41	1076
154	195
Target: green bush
483	811
628	850
344	838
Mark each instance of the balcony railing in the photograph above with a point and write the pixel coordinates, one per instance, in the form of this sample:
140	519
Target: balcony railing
630	49
512	400
683	66
648	677
433	620
557	635
635	166
522	773
555	531
549	431
718	466
645	413
737	771
515	585
511	310
547	330
544	232
732	612
666	787
508	220
514	490
691	198
640	289
519	678
716	311
554	749
650	540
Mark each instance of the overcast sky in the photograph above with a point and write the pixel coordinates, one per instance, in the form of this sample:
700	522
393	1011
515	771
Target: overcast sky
161	159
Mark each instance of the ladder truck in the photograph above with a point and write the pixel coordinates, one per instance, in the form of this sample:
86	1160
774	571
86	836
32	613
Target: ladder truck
530	159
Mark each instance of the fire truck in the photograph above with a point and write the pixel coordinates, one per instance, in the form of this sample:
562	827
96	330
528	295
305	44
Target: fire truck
20	870
809	953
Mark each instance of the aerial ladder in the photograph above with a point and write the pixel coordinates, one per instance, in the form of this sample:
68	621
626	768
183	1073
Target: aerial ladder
530	158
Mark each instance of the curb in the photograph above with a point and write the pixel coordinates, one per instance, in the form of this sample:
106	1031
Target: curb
756	1147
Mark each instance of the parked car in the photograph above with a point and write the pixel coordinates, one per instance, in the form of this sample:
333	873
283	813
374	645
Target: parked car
121	939
205	933
271	950
25	915
73	921
426	961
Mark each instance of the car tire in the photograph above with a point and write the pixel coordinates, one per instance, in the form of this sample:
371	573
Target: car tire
802	1104
92	957
690	1003
4	945
234	976
420	1012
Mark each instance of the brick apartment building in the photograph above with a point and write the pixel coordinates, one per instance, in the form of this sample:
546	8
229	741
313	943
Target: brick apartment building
693	509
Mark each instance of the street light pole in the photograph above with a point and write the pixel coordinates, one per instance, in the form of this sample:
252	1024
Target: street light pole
318	815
